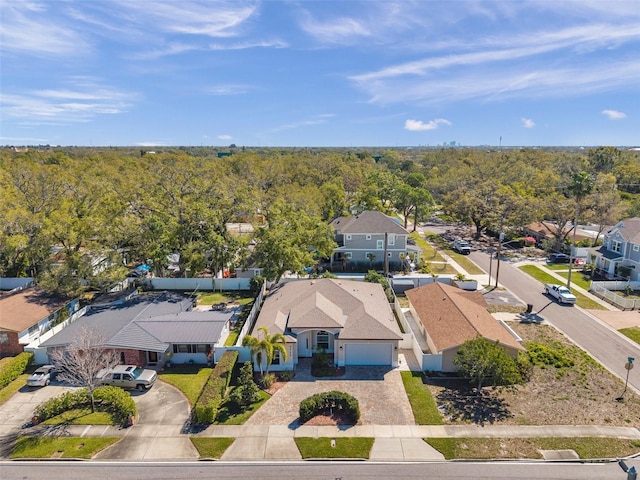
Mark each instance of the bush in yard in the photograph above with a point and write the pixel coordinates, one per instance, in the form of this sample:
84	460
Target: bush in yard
107	399
215	389
247	392
318	403
14	368
268	380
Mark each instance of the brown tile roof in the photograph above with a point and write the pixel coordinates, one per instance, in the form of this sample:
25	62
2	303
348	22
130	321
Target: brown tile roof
359	310
24	309
452	316
368	221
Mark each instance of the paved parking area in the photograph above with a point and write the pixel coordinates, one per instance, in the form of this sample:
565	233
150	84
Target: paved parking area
379	391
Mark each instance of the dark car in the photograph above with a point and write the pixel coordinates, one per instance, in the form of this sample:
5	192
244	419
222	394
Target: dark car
559	258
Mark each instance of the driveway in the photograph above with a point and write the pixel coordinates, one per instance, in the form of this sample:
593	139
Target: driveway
379	391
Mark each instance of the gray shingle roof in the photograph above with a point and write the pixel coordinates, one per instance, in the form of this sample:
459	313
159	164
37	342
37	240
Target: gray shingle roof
368	222
630	229
359	310
148	322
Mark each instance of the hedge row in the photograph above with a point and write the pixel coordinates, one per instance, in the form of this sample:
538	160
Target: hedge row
107	399
14	368
315	404
215	389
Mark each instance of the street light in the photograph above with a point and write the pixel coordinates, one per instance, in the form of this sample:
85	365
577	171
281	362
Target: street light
628	366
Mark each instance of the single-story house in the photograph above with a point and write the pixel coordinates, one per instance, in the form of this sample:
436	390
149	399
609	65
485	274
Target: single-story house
148	329
27	314
350	320
448	316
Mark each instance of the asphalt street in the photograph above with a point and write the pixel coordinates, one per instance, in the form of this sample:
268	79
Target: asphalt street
602	342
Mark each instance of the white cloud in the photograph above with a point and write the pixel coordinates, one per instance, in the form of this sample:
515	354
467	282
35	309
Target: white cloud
335	30
527	123
225	137
315	120
419	125
614	114
228	89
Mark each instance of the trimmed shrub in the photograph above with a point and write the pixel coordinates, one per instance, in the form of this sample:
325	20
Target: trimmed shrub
107	399
214	391
315	404
14	368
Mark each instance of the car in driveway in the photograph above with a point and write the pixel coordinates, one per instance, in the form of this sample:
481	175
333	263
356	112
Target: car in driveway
128	376
42	376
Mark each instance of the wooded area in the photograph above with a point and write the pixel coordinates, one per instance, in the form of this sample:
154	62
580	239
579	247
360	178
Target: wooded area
67	211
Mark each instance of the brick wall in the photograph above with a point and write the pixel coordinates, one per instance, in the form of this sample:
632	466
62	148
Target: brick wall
9	344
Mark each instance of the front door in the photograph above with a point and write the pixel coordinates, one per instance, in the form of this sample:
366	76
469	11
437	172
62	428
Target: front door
304	344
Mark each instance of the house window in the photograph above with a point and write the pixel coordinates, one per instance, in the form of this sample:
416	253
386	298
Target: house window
189	348
392	239
322	340
379	244
348	236
276	357
347	255
368	236
616	246
636	248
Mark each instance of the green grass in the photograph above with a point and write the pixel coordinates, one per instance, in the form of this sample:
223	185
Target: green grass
232	338
7	392
633	333
577	278
429	254
60	447
544	277
359	447
501	448
424	407
211	298
211	447
189	379
82	416
229	414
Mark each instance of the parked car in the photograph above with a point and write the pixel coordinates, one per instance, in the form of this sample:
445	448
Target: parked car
128	376
462	246
560	293
559	258
42	376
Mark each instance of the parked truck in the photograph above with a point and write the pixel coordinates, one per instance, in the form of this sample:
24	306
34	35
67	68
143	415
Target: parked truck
462	246
128	376
561	293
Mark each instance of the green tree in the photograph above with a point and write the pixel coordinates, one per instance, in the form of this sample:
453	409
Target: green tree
482	360
263	346
247	392
581	186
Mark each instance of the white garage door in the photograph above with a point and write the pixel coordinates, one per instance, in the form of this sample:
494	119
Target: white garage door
368	353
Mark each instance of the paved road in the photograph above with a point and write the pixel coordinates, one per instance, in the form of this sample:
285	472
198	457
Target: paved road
314	471
603	343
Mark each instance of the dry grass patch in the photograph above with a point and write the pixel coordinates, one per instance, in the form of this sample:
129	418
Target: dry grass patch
581	394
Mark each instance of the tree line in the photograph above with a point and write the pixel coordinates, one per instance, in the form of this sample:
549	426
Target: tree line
74	217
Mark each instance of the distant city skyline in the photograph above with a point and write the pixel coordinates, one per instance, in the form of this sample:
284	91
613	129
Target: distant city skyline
328	73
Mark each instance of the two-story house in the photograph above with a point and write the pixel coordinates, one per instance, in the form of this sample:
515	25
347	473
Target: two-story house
619	254
361	242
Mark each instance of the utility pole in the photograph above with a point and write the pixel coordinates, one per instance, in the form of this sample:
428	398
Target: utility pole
500	239
386	256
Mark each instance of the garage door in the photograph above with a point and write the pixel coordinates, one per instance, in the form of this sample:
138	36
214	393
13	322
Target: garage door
368	353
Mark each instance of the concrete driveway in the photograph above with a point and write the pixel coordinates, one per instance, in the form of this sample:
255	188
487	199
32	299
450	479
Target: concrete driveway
379	391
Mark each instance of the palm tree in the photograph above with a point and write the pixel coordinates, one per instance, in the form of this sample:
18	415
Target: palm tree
265	348
581	186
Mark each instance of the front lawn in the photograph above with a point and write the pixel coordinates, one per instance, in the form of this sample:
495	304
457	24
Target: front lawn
82	416
211	447
633	333
506	448
7	392
60	447
359	447
230	414
189	379
428	252
544	277
425	410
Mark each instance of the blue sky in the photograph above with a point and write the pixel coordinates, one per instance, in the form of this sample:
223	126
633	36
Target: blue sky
319	73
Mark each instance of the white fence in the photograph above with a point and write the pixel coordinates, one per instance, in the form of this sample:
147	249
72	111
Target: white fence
40	354
618	300
200	284
248	323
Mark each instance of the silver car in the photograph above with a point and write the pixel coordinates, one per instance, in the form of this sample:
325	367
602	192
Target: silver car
42	376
